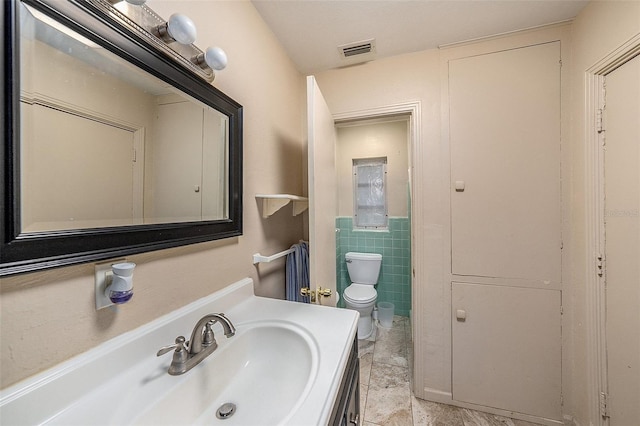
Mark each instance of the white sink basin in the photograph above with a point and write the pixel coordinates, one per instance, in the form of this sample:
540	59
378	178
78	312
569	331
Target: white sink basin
266	370
282	367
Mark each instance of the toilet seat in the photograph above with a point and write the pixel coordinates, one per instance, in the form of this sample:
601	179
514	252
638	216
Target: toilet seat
360	294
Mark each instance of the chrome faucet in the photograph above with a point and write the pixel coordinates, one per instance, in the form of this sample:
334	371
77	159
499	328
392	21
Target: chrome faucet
189	354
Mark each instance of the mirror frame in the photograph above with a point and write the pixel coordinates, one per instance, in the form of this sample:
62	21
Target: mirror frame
29	252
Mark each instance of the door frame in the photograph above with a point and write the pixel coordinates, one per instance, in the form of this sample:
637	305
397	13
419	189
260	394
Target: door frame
414	110
594	190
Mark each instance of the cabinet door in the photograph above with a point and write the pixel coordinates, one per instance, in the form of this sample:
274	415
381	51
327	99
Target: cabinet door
505	163
507	348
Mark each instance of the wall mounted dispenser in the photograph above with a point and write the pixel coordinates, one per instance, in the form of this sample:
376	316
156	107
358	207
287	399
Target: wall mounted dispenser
114	283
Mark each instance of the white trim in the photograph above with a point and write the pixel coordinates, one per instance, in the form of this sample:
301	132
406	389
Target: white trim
408	108
618	57
594	285
504	34
138	174
594	190
35	98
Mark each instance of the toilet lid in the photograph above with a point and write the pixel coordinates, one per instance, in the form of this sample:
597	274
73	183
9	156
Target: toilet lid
360	293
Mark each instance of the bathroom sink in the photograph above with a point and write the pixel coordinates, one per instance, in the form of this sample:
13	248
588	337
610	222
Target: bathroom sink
283	366
266	370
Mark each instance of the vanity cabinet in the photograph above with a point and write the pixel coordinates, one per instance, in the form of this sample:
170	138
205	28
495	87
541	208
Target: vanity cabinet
346	410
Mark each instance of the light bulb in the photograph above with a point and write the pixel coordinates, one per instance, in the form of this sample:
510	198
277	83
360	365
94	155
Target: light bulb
215	58
181	29
136	2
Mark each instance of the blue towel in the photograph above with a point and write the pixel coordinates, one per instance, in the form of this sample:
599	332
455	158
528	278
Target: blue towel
298	272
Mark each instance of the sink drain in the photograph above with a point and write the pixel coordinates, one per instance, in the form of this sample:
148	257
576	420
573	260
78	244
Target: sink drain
226	410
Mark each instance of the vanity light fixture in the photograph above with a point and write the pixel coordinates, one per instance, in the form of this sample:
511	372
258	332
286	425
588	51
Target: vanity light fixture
175	36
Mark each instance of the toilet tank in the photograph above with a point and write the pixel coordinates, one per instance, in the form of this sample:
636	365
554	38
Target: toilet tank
364	268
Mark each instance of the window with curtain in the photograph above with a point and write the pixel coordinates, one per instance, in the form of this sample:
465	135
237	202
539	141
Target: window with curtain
370	193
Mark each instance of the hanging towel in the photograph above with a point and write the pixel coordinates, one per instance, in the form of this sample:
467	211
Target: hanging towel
298	272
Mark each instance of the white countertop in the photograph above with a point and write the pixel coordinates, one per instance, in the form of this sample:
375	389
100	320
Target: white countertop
92	388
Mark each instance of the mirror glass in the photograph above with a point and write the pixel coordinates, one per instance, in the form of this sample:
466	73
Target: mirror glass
105	144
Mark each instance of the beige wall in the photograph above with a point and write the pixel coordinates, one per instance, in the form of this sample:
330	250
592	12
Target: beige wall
50	316
368	140
602	27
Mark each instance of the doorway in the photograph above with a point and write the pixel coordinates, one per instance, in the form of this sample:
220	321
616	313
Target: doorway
375	221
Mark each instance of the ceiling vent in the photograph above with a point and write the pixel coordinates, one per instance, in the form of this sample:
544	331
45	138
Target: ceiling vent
366	47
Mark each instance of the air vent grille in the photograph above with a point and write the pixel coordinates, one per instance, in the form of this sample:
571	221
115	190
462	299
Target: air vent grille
357	50
364	47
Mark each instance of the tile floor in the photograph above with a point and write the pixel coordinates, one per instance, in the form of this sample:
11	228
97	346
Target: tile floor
385	391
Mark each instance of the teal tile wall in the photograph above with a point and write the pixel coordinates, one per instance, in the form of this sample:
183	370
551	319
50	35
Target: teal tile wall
394	283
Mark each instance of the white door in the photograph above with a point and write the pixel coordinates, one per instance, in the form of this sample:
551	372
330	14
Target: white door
505	164
323	204
177	146
506	348
622	242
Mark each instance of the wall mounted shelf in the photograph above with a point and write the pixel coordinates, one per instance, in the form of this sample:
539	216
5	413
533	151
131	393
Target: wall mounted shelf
271	203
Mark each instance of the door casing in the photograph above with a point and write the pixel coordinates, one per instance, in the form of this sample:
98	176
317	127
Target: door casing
594	190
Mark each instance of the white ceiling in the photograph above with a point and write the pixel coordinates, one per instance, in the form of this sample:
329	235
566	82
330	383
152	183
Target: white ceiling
312	30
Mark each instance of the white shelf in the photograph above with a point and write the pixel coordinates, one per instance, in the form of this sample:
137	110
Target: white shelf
271	203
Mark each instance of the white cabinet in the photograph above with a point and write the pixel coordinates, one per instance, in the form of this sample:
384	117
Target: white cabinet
507	348
506	230
505	164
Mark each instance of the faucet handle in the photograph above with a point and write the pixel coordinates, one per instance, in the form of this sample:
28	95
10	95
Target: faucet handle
179	346
208	338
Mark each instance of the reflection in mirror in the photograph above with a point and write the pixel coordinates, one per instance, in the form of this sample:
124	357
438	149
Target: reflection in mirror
106	144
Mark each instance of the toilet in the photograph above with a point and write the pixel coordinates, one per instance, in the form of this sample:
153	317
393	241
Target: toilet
364	269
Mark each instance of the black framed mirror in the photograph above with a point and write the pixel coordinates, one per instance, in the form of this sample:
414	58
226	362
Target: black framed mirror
111	147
